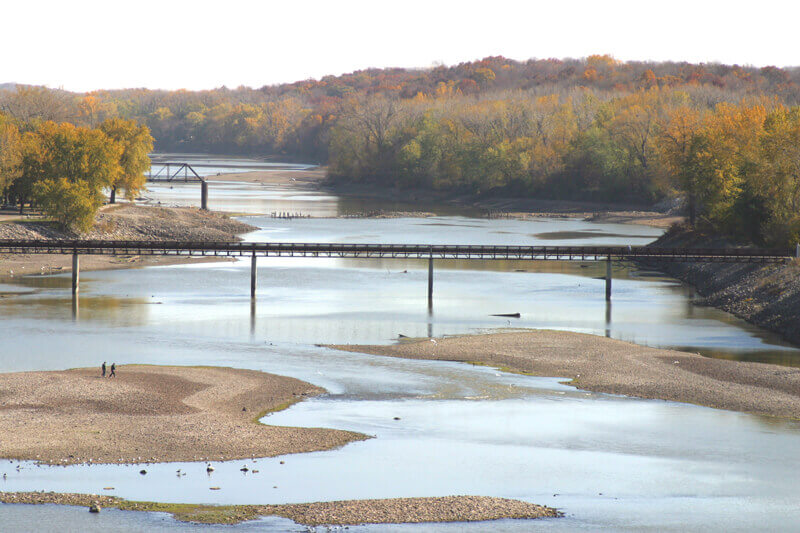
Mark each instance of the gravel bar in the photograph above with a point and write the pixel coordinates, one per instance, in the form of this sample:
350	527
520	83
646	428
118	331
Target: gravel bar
338	513
153	414
611	366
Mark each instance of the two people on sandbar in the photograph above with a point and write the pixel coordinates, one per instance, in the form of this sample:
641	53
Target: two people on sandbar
113	372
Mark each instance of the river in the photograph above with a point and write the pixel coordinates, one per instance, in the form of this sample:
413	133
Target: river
609	462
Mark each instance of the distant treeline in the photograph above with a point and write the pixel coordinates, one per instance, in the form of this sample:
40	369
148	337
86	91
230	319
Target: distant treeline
719	138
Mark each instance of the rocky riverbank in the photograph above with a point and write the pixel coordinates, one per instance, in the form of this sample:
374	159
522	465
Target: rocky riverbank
122	222
765	295
338	513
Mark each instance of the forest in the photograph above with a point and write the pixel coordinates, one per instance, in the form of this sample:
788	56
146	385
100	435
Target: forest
721	140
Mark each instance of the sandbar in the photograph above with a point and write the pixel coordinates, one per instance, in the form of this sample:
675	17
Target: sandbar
612	366
153	414
336	513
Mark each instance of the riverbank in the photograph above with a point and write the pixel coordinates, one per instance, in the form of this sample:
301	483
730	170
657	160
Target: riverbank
309	178
611	366
122	222
316	179
153	414
767	295
512	207
337	513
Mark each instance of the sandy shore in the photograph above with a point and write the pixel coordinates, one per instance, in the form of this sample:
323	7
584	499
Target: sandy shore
290	178
122	222
338	513
152	414
611	366
315	179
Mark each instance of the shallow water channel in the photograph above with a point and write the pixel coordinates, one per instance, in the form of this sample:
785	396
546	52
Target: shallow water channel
610	463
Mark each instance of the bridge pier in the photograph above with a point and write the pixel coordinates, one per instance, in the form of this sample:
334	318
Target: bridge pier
430	283
204	195
76	274
253	277
608	279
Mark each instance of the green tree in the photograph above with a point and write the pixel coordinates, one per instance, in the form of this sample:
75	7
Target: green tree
72	204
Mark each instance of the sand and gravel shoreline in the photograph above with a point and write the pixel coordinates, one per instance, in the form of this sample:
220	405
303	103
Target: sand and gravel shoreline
336	513
599	364
153	414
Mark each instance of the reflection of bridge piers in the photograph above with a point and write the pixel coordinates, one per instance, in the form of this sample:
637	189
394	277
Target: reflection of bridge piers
607	254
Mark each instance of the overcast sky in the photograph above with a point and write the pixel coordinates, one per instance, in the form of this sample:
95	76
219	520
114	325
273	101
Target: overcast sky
84	44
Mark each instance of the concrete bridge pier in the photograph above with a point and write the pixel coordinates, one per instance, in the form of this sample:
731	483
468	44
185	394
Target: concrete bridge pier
253	277
608	279
76	274
430	283
204	195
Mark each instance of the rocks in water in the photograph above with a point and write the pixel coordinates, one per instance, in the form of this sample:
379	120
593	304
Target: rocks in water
94	508
143	472
209	468
244	468
397	418
213	488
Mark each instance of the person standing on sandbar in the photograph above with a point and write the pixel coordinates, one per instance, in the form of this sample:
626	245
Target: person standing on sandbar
103	369
113	373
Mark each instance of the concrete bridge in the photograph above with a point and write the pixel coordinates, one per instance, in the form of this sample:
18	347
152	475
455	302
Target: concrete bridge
431	252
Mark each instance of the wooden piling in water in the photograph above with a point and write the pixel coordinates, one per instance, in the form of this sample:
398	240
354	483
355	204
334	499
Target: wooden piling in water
253	277
76	273
608	279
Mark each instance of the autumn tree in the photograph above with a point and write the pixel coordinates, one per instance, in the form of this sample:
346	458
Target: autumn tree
768	209
31	105
677	147
10	153
64	159
136	143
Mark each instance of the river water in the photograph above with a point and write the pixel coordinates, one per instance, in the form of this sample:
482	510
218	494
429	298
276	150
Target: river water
609	462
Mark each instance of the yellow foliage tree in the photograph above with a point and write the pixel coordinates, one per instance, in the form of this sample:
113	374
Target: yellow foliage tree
136	143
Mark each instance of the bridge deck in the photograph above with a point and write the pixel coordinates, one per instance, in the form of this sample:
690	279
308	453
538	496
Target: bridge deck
425	251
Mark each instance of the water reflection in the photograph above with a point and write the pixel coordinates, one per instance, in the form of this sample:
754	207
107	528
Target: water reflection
611	463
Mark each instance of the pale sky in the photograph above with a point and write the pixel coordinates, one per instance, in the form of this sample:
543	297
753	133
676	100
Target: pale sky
85	44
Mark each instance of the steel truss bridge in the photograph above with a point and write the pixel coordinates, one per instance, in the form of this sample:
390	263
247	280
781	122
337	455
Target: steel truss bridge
172	172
